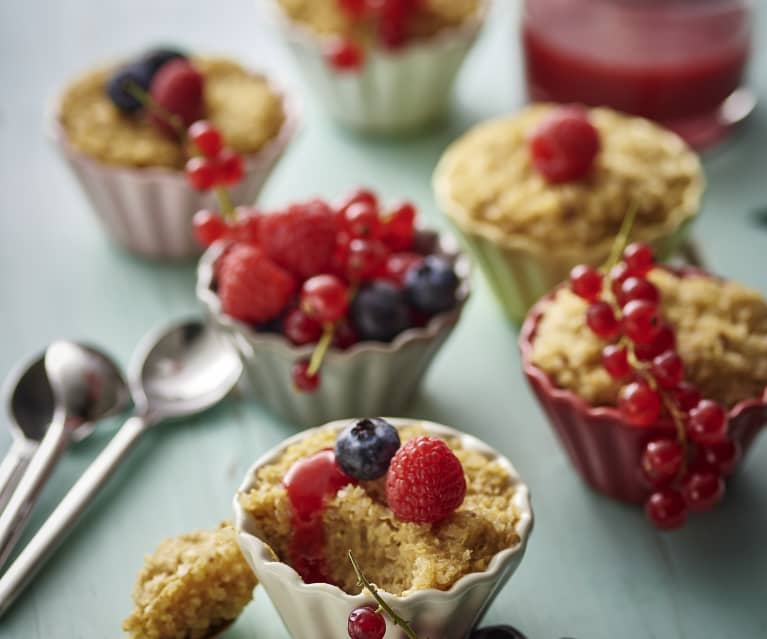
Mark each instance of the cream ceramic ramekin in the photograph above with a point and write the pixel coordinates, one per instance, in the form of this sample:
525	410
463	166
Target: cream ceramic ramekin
395	92
149	211
321	610
521	270
369	378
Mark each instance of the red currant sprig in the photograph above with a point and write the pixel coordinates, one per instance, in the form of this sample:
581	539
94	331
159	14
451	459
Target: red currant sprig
624	308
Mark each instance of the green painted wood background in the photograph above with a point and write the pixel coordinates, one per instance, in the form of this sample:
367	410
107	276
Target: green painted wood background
594	569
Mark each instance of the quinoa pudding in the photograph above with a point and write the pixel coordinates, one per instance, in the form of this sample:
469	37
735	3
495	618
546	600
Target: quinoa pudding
398	556
243	105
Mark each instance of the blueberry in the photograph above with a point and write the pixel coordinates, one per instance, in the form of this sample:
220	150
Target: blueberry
379	312
365	447
430	287
497	632
138	73
155	58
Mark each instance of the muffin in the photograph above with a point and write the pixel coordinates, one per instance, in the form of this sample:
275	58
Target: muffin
377	72
191	587
131	167
644	420
528	230
335	309
437	569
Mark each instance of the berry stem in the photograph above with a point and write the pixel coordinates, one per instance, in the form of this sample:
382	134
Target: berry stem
322	348
621	240
135	91
225	203
396	619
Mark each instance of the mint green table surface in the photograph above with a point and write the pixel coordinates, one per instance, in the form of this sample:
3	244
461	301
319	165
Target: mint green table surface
594	568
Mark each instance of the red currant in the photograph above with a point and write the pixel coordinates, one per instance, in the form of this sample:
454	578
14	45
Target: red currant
618	274
356	9
366	623
361	220
363	196
563	147
615	361
708	423
206	137
398	229
664	340
666	509
723	456
639	258
302	380
702	489
345	55
668	369
392	32
366	259
637	288
639	403
641	321
300	329
230	168
586	282
686	396
201	173
344	336
398	264
602	321
324	298
208	227
662	459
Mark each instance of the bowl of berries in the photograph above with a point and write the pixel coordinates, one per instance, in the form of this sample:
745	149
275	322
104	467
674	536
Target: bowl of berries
152	139
381	66
381	527
335	310
654	379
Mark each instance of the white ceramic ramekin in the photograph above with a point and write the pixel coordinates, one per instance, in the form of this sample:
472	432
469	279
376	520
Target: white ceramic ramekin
395	92
321	610
369	378
149	211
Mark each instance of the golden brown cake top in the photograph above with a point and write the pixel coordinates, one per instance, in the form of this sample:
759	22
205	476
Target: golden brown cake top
246	109
487	183
399	557
190	586
721	335
326	17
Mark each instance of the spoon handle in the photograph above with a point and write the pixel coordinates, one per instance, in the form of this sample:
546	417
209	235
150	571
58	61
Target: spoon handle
14	518
12	468
63	519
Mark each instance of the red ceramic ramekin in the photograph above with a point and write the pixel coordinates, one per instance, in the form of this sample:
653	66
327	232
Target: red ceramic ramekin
604	448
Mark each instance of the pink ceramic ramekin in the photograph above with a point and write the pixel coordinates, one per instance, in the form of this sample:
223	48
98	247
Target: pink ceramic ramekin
602	446
149	211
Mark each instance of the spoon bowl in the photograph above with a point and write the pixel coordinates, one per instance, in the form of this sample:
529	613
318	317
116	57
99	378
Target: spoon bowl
30	401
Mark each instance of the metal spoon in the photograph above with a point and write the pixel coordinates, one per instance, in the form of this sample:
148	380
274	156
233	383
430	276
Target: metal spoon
176	372
86	386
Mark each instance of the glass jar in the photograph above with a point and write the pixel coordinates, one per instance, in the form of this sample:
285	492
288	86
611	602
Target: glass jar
680	62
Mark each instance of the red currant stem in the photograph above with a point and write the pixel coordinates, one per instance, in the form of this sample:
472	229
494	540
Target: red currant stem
668	402
225	203
322	348
363	582
622	239
135	91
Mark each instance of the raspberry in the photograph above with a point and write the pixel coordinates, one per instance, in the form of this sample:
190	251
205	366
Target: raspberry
252	288
177	87
425	482
301	239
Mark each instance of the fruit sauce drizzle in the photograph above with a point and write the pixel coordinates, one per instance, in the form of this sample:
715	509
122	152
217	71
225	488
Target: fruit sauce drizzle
310	483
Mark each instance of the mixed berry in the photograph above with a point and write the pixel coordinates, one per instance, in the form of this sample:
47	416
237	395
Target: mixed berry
424	482
564	145
385	22
328	275
685	472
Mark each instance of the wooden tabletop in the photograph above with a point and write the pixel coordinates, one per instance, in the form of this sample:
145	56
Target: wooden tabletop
594	569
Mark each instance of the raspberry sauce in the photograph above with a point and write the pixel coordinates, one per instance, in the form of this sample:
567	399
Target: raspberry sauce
310	482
